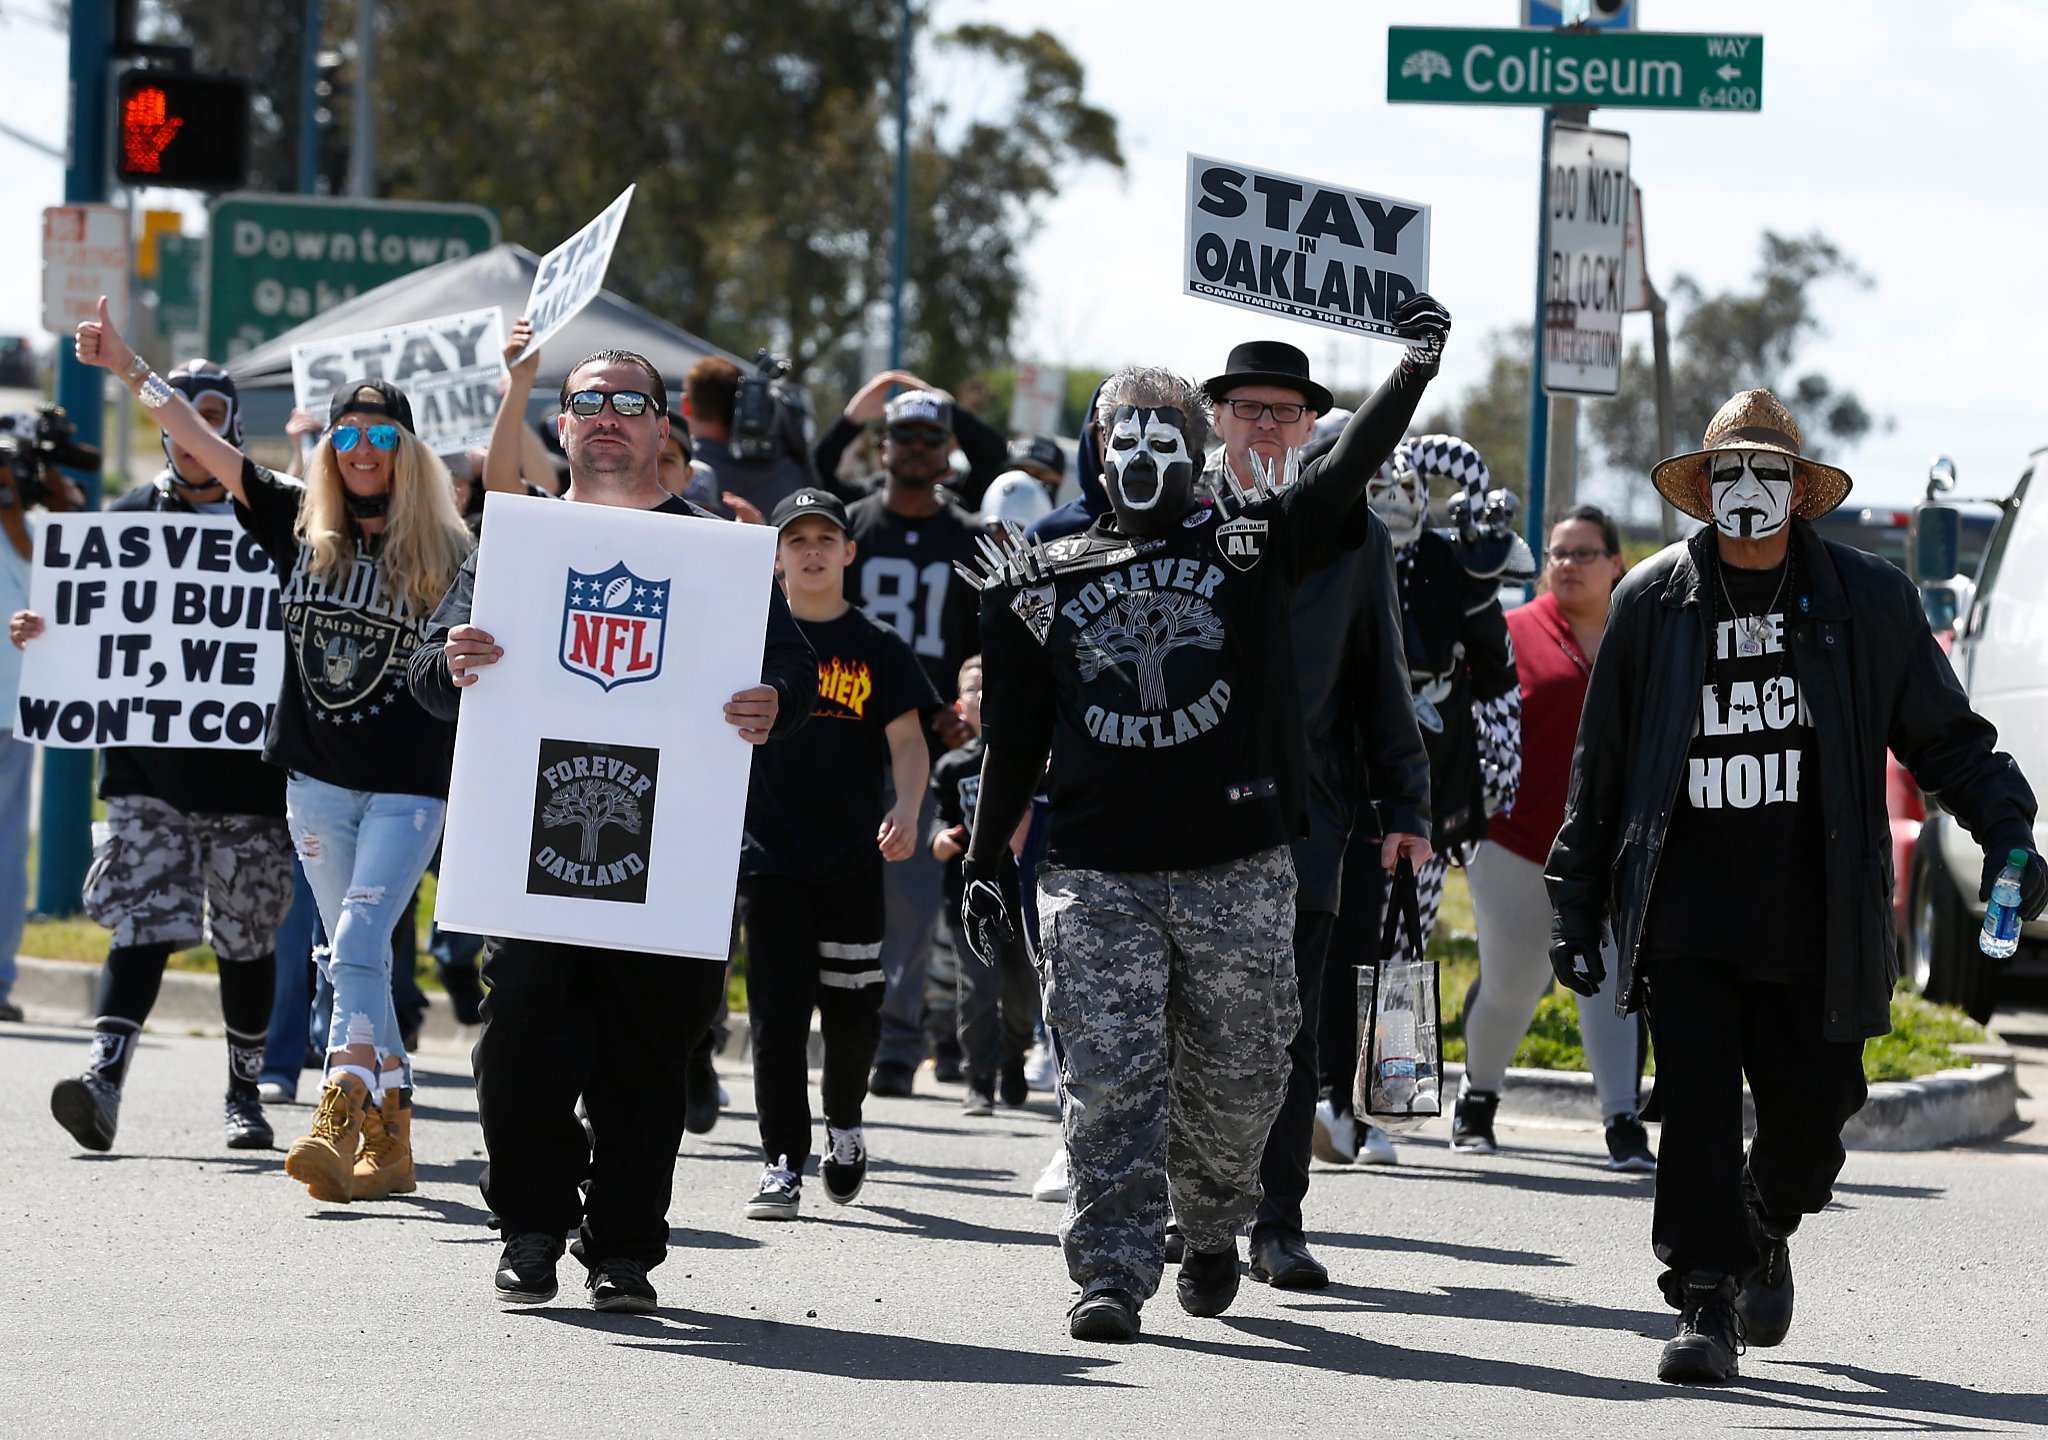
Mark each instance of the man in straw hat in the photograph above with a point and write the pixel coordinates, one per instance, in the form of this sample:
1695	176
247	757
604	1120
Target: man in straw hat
1727	798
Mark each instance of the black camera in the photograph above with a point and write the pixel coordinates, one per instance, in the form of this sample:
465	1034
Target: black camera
758	426
33	448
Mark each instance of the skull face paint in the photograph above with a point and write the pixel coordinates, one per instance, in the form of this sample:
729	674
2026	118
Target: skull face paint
1751	492
1397	496
1146	468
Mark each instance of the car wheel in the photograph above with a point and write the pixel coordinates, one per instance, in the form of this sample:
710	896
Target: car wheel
1943	958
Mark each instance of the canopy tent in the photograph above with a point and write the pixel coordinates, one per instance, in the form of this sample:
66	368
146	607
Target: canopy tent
501	276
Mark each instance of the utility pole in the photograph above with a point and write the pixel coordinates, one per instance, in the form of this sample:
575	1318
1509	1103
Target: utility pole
65	820
901	262
1539	403
362	180
1660	348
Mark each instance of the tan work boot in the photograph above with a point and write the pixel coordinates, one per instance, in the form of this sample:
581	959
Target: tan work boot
322	1160
385	1166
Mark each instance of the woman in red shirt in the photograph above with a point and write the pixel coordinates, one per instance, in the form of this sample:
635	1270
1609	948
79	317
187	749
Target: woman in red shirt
1556	636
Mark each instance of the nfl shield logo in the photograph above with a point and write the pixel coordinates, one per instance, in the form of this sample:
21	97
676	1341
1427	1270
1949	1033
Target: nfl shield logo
612	626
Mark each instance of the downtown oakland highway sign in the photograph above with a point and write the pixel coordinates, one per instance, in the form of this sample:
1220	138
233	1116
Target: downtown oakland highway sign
1428	66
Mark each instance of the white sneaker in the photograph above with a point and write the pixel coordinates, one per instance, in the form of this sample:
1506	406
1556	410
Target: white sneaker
1377	1148
779	1195
1039	1071
276	1092
1052	1185
1336	1136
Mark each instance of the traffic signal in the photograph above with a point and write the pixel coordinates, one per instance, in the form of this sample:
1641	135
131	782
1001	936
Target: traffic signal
182	131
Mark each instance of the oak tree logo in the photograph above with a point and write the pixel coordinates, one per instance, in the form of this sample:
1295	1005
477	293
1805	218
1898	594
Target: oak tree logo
1140	629
593	820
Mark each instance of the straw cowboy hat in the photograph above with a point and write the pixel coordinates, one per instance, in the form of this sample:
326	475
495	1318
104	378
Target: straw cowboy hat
1753	420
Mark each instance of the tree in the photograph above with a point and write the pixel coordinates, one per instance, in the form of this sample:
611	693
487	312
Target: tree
592	805
1494	414
1142	629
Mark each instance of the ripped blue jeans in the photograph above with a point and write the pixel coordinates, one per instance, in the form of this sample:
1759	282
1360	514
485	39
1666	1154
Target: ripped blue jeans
363	853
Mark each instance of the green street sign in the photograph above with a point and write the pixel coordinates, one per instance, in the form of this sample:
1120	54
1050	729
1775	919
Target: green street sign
274	261
1645	71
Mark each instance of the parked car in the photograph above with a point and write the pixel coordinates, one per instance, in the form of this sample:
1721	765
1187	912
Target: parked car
2000	655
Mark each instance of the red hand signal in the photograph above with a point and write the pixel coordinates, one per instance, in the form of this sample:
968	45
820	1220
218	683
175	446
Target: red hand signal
147	129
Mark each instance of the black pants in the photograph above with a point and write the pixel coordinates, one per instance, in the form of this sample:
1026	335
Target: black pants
1283	1172
616	1028
998	1003
1712	1026
811	944
1354	941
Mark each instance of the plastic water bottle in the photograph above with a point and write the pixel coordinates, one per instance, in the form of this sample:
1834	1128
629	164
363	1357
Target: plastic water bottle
2001	933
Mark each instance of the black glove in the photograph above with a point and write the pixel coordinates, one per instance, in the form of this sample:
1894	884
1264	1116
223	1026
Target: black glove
1567	957
1424	323
987	904
2033	881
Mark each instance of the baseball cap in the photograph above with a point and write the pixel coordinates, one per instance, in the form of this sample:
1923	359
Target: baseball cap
809	502
919	407
1040	452
371	397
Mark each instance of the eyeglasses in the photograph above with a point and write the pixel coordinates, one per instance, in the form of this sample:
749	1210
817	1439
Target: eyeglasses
1577	555
923	435
1284	413
626	404
382	437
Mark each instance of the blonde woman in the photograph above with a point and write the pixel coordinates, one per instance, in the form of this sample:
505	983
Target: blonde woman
364	548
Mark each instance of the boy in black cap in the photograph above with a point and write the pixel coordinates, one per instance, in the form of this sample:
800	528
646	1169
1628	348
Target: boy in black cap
810	891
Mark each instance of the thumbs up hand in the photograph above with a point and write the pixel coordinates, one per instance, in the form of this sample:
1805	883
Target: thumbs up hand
99	343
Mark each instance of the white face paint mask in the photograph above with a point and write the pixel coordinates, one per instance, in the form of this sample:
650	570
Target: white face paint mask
1146	468
1396	495
1752	493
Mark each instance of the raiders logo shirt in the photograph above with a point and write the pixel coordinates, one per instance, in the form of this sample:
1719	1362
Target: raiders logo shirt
345	714
816	799
1160	673
1736	881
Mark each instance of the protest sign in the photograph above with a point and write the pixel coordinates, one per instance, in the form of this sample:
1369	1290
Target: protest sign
162	630
449	367
598	792
1322	253
1586	233
571	275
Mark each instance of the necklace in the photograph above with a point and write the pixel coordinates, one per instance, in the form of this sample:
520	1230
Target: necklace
1749	629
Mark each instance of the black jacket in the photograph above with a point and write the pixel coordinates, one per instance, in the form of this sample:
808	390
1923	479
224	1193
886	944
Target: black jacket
1872	678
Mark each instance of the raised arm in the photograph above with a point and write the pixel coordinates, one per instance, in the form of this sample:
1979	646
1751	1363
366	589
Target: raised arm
99	344
506	451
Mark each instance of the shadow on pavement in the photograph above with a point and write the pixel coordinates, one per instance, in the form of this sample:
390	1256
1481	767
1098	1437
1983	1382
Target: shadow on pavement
1608	1183
941	1227
243	1162
1477	1254
1457	1302
823	1348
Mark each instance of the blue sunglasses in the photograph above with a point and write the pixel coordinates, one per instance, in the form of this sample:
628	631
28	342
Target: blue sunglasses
347	437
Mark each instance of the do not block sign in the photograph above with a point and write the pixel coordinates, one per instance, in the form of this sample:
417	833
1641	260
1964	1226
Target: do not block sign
1584	294
1312	251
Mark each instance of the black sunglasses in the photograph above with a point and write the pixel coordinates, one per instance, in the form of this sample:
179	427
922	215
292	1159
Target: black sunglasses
923	435
626	404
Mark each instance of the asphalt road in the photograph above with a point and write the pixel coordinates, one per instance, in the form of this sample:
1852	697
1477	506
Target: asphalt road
177	1288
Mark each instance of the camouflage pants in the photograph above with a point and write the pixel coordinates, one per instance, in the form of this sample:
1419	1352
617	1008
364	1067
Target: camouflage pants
160	876
1172	994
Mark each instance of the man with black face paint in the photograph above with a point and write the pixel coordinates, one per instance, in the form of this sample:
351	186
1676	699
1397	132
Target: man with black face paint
1726	815
1151	656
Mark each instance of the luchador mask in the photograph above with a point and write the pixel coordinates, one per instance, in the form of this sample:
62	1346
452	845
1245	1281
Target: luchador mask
1397	496
1147	470
194	379
1752	493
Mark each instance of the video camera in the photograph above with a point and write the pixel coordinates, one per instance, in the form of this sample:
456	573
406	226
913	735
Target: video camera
33	448
759	426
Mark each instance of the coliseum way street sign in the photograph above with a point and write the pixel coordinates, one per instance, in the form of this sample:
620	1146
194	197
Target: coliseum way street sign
1648	71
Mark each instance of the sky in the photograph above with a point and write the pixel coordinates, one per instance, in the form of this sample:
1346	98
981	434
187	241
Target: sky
1912	135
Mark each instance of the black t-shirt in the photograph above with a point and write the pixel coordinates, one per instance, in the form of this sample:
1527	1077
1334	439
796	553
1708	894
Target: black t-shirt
816	798
1737	879
198	780
956	786
345	715
902	575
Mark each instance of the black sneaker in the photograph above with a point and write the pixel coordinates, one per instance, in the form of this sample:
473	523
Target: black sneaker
844	1168
10	1011
1104	1315
1472	1122
247	1129
947	1068
620	1285
1628	1144
1765	1303
890	1080
1208	1281
779	1195
981	1096
1709	1337
526	1268
1176	1247
89	1108
700	1093
1012	1085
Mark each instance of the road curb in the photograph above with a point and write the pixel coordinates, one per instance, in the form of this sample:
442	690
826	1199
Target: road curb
1951	1107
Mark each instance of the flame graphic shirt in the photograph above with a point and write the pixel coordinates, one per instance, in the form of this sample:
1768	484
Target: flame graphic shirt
816	798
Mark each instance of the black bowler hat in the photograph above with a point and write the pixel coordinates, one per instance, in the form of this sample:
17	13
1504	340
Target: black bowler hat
1268	362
